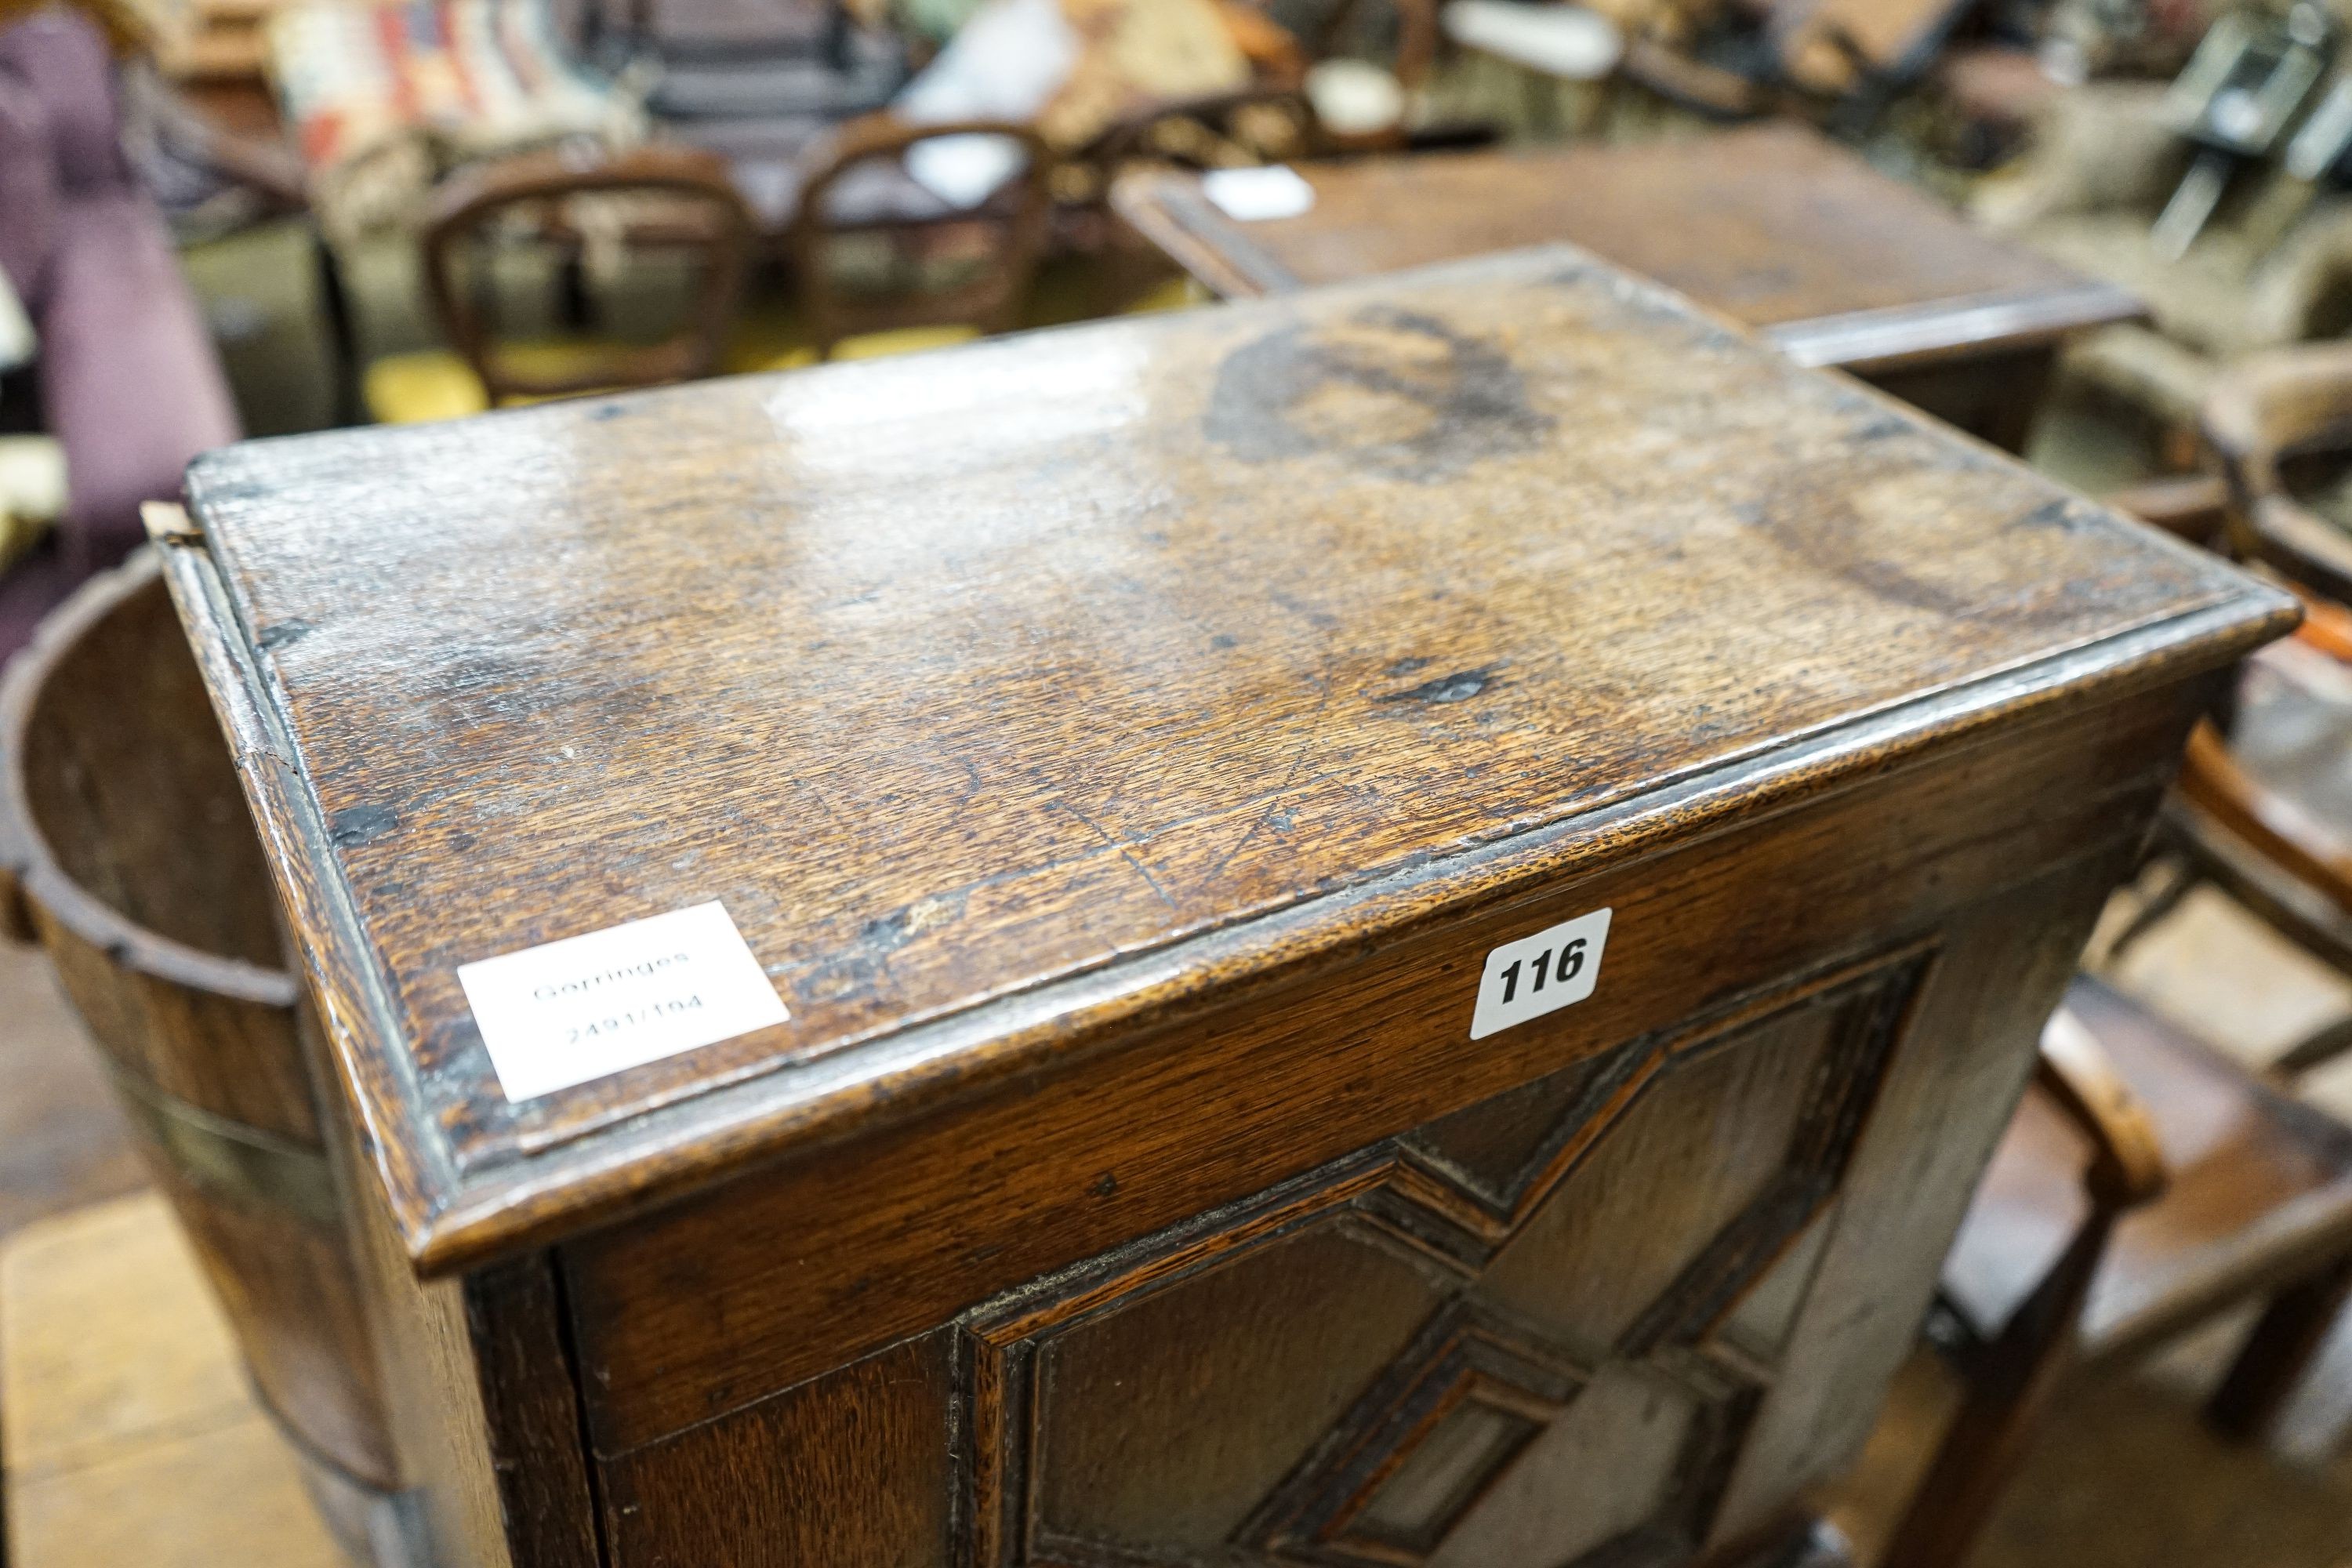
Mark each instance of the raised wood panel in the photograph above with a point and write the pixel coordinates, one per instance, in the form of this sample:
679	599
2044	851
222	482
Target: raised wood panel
1134	1410
1340	1370
2001	968
722	1300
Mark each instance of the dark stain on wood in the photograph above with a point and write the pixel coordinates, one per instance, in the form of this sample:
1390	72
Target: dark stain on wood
357	825
1398	392
1459	687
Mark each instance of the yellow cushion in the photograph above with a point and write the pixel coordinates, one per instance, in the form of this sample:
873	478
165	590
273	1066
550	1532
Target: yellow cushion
416	389
903	341
413	389
757	350
1175	294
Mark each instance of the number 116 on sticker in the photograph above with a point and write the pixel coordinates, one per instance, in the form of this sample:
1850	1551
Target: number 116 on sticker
1539	973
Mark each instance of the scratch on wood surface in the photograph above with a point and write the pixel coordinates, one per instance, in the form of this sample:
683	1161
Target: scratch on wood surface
1124	853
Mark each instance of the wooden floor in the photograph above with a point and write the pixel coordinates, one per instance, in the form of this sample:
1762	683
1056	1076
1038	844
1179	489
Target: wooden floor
61	1143
131	1438
136	1452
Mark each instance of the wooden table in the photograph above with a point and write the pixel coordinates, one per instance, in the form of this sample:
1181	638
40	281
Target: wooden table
1774	225
1406	915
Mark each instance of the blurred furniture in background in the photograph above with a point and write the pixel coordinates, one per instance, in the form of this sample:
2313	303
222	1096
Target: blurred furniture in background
208	41
2280	425
1364	65
2265	815
129	381
1560	52
2204	1188
640	209
385	98
1841	61
760	85
959	268
737	59
2241	1191
127	852
1775	226
2273	266
215	160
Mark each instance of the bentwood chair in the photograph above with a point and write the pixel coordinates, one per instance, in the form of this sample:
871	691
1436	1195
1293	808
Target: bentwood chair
555	208
882	259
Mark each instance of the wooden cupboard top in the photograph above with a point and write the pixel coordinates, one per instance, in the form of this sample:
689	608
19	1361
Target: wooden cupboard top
1774	225
1018	694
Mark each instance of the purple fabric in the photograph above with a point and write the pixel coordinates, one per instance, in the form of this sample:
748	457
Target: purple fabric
58	55
129	383
28	193
30	589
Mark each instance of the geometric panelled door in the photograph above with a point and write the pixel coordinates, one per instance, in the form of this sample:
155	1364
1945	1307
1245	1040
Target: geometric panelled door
1414	1355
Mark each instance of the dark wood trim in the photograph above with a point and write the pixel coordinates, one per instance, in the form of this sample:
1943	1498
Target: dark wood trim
1907	337
1170	212
344	984
1464	1354
515	1318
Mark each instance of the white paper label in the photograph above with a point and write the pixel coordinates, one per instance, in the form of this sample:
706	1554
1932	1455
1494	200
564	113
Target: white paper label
1259	195
567	1012
1555	968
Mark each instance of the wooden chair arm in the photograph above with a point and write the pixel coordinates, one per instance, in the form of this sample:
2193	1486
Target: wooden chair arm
2276	828
267	164
2127	1163
2326	626
2193	506
472	196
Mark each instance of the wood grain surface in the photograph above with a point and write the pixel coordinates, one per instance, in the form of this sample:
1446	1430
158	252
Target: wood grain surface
1014	696
1774	225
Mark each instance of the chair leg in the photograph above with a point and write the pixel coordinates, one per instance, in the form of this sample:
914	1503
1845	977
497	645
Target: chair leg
2180	879
2010	1389
2314	1051
2289	1333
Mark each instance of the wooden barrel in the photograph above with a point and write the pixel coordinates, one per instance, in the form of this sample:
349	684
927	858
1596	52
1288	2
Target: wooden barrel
127	852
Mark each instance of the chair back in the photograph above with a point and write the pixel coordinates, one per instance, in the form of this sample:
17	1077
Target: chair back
651	199
859	183
127	852
1259	125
